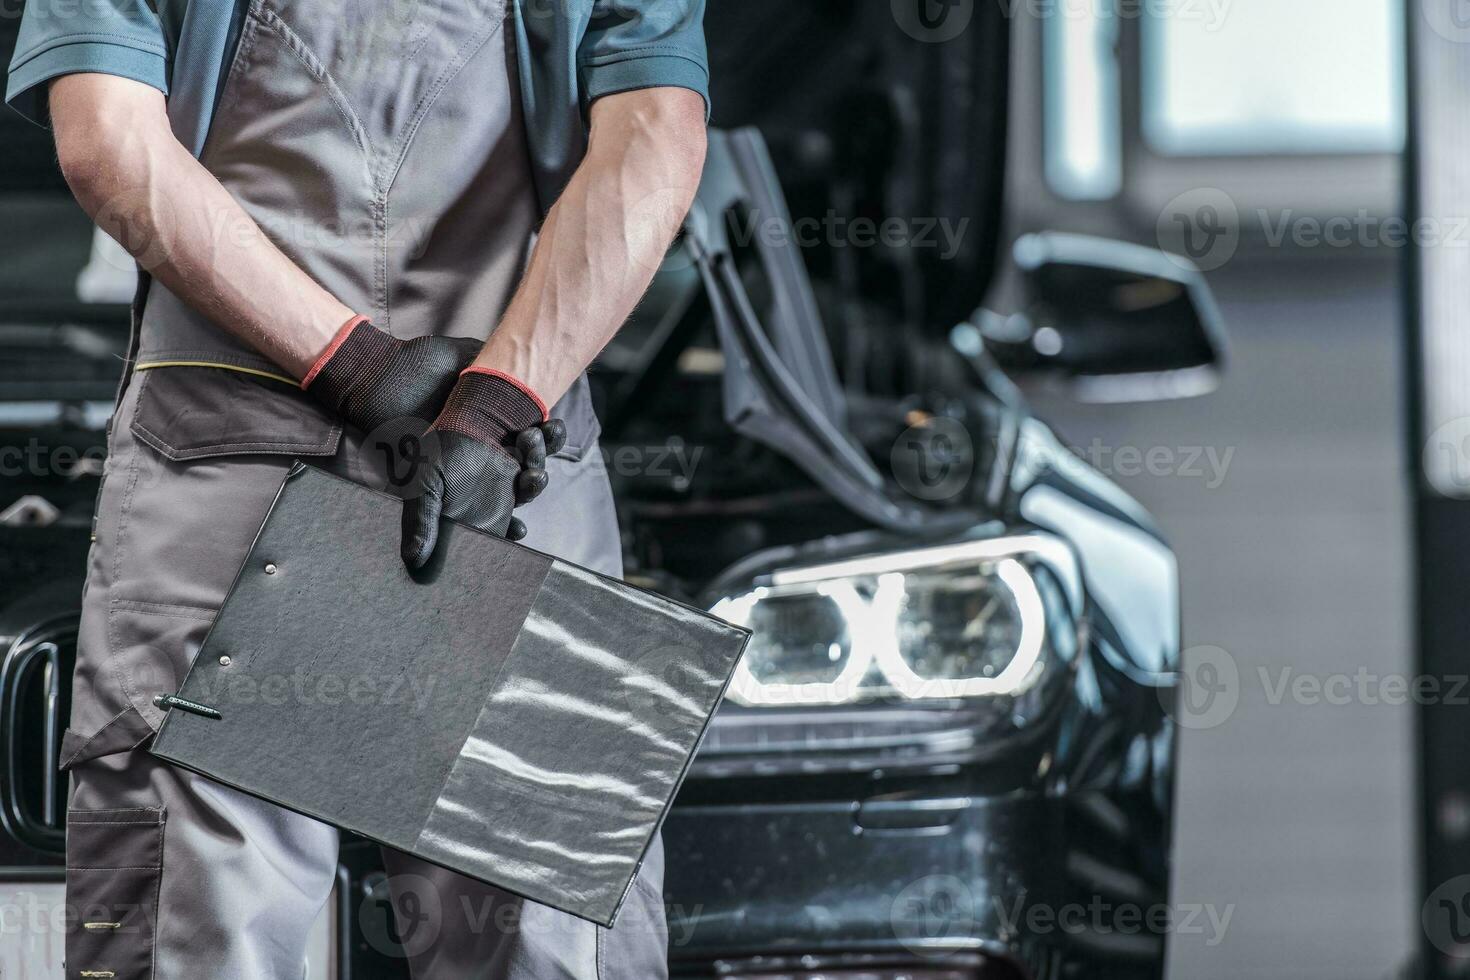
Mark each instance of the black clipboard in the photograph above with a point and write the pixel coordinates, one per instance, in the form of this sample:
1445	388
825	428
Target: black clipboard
505	714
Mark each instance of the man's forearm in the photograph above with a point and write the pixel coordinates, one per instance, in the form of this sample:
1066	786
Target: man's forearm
148	192
604	238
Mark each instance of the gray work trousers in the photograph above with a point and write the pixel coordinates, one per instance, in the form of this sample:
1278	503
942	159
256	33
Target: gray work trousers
175	877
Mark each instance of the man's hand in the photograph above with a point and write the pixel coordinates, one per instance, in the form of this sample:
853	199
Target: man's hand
370	378
488	453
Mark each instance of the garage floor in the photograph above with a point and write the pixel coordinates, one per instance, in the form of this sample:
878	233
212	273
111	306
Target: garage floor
1297	814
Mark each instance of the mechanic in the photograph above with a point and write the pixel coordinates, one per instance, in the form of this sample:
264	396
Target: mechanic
353	218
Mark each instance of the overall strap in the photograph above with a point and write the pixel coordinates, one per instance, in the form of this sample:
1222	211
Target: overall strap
197	77
200	65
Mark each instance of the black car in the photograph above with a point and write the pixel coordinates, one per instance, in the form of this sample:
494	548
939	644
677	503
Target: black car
948	752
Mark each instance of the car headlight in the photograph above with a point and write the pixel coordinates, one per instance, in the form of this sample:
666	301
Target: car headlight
956	621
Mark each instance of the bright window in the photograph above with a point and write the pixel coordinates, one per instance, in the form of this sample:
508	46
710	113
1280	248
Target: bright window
1273	76
1083	162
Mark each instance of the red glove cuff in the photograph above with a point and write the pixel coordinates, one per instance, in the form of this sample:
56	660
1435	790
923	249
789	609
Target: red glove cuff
338	339
490	407
517	383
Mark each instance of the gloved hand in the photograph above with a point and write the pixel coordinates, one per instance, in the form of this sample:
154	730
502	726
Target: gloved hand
369	378
492	440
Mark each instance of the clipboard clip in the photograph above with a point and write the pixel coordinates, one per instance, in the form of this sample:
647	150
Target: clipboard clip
170	701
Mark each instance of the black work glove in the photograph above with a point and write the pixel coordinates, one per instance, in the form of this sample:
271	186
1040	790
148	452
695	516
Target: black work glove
489	456
369	378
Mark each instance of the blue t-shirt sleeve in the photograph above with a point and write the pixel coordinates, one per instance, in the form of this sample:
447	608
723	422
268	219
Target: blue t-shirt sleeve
634	44
60	37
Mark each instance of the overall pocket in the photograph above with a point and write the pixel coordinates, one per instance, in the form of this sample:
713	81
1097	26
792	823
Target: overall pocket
197	412
114	868
226	440
199	454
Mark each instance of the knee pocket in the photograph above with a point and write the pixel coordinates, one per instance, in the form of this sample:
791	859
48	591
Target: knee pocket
114	869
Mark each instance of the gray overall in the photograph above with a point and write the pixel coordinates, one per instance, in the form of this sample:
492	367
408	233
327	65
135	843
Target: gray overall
380	144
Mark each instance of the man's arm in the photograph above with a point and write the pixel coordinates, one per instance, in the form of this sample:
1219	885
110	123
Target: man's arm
604	238
147	191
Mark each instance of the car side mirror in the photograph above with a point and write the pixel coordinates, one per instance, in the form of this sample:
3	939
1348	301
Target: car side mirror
1120	322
